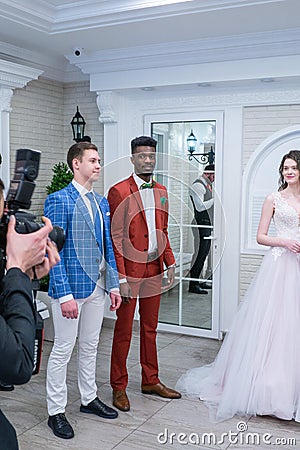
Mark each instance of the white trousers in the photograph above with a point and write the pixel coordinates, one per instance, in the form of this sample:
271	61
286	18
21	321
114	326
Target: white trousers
87	326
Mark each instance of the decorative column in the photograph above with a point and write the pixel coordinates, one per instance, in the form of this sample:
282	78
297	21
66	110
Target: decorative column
108	104
5	102
12	76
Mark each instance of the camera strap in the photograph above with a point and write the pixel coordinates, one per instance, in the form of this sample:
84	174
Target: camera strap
39	329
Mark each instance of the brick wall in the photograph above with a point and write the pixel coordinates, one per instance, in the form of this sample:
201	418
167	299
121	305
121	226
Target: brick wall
248	268
40	119
262	121
259	123
36	122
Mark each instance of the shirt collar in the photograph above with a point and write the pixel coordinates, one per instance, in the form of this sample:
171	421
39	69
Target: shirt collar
81	189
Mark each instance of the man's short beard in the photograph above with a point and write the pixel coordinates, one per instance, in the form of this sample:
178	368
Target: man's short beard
146	174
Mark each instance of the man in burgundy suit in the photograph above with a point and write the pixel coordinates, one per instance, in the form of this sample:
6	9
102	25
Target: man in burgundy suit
139	221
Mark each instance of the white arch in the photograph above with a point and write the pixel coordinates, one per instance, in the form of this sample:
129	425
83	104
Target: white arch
260	178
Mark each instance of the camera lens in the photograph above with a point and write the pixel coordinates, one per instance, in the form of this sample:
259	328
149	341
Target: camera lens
57	235
25	224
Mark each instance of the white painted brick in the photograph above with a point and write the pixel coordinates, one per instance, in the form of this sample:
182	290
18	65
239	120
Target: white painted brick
40	119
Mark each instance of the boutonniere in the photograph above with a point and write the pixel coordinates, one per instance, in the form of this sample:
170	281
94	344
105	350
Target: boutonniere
163	200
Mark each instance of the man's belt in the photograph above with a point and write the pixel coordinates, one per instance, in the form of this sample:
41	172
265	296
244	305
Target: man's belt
152	256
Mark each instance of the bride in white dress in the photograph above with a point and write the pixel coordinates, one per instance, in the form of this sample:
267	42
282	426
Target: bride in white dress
257	370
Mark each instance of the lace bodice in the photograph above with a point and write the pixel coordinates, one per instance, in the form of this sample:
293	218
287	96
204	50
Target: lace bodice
286	220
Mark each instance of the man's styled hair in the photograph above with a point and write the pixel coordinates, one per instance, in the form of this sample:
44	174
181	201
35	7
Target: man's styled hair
77	150
142	141
210	167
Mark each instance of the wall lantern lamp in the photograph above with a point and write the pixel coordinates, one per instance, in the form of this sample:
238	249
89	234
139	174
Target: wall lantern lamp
205	158
191	142
78	126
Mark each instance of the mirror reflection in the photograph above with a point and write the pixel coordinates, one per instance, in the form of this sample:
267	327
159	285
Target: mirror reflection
185	165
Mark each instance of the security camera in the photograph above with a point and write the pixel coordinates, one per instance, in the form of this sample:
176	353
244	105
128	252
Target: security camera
77	51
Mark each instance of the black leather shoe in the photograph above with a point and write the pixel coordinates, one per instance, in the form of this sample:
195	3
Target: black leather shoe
60	426
6	387
196	289
206	285
100	409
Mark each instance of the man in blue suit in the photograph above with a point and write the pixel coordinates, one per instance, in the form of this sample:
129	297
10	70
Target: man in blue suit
77	286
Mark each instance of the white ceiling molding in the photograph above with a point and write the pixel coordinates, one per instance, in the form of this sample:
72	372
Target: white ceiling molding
15	75
85	14
215	72
170	34
35	14
54	68
254	45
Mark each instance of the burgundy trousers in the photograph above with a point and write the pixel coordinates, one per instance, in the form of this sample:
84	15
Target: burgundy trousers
148	289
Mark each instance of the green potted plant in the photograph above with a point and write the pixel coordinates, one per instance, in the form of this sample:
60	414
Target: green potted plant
61	177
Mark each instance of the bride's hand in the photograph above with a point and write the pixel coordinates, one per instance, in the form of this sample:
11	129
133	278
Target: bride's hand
293	246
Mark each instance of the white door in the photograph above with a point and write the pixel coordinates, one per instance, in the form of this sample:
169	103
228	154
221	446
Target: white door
184	309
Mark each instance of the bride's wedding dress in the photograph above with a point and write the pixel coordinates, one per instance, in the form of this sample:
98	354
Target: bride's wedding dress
257	370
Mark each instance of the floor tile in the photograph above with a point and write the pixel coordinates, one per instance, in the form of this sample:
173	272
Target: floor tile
152	422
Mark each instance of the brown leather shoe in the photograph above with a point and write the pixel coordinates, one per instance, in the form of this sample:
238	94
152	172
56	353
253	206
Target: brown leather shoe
120	400
161	390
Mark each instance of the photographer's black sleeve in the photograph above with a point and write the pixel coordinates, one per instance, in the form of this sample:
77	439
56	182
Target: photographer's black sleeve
17	328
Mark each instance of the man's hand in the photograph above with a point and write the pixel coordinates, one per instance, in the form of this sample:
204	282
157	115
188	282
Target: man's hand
115	300
125	292
26	250
171	277
69	309
51	259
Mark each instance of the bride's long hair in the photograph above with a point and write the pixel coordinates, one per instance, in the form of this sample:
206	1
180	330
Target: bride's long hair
294	155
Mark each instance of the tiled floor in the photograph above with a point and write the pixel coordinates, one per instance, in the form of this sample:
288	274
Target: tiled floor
151	420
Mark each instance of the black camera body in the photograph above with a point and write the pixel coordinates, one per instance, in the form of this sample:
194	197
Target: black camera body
19	196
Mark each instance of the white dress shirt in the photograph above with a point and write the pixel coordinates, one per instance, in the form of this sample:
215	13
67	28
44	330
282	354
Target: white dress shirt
148	200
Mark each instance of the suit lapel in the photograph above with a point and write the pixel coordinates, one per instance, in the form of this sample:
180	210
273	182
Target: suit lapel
80	207
158	207
102	209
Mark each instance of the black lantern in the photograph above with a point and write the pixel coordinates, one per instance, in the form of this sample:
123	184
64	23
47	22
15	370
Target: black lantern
205	158
191	141
78	126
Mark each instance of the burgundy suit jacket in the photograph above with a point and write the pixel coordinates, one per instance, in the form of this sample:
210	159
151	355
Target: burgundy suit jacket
130	232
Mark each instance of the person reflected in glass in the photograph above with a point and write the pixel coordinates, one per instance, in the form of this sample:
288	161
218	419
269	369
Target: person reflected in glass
201	194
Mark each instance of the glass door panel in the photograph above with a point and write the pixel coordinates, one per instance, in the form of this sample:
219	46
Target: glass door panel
184	307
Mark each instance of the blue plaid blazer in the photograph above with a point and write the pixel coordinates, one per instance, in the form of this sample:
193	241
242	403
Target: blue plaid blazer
78	270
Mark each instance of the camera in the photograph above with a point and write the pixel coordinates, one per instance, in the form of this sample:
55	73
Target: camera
19	196
77	51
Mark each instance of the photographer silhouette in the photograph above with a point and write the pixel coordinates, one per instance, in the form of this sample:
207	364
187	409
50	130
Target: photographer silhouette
17	311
